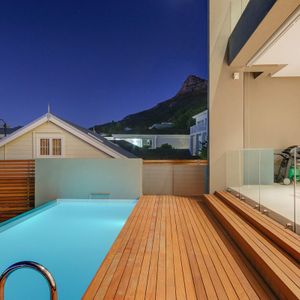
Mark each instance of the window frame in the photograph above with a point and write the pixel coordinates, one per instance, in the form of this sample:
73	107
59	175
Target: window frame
50	137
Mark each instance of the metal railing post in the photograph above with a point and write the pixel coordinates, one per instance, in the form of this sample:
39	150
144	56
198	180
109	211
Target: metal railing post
32	265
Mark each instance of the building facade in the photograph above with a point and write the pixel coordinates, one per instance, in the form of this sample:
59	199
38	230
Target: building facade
198	133
51	137
153	141
254	79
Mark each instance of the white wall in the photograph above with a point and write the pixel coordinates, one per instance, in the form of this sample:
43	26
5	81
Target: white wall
245	113
78	178
272	112
225	97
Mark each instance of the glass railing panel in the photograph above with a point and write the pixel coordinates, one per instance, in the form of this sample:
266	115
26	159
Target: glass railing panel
268	180
250	187
296	174
233	172
278	193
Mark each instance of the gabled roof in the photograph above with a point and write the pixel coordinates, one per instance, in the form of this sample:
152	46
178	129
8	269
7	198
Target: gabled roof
86	135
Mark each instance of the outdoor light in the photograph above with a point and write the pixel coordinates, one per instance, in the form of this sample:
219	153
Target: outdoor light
236	75
4	127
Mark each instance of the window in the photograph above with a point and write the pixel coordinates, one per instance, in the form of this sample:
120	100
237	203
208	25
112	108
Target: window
56	147
44	147
49	146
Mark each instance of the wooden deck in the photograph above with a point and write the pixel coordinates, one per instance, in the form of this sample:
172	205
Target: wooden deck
287	240
172	248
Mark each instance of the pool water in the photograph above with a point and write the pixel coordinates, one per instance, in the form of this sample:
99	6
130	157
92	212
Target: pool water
69	237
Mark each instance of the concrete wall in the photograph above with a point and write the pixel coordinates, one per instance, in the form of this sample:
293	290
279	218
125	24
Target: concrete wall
272	112
78	178
185	179
245	113
24	147
225	96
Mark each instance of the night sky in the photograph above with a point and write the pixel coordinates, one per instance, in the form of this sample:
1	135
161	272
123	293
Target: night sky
97	61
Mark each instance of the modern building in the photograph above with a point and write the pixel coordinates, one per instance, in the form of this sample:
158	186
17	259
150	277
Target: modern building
153	141
168	244
52	137
254	97
198	132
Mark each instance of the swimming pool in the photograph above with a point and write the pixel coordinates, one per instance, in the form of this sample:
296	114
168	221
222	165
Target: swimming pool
69	237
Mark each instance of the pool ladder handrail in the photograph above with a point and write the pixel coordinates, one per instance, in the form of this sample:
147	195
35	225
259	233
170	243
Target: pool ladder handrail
31	265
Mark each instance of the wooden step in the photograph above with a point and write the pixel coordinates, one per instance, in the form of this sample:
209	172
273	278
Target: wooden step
281	272
284	238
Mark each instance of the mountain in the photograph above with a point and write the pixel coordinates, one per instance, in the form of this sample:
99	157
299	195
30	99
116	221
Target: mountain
189	100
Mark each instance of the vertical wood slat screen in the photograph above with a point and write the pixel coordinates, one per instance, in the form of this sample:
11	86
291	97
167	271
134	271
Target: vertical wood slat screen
17	184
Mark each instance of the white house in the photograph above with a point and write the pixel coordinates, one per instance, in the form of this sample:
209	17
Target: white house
163	125
52	137
153	141
198	132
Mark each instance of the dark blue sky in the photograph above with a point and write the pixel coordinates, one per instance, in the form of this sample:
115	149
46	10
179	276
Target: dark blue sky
97	61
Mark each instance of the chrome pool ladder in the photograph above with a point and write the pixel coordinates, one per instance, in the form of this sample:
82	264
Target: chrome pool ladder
31	265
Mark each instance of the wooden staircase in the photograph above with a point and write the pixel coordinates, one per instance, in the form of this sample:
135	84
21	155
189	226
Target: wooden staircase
271	249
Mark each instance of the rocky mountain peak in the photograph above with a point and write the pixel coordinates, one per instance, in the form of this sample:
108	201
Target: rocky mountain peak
193	83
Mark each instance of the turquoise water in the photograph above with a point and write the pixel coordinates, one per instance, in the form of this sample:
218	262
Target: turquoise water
70	238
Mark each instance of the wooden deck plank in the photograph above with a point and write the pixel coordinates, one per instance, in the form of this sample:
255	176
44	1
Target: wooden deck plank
286	239
170	249
142	282
275	256
217	273
186	264
253	285
119	243
257	215
115	270
222	261
161	268
202	281
153	269
179	278
118	287
280	272
134	278
170	272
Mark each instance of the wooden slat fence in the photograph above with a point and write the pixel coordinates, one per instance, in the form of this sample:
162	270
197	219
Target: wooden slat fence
17	179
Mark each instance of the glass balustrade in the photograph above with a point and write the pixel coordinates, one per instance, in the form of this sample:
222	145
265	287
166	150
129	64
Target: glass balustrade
296	204
233	172
250	187
268	180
